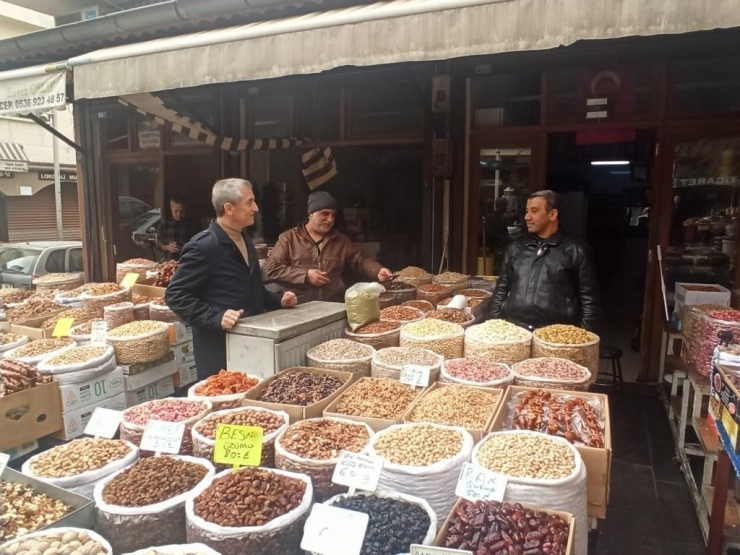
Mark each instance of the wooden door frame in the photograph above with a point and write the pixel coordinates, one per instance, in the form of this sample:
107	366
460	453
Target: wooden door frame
668	138
535	139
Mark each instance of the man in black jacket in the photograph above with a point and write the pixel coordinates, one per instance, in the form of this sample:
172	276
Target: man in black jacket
219	279
547	278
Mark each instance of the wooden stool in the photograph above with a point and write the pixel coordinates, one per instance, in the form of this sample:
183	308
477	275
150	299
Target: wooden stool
613	354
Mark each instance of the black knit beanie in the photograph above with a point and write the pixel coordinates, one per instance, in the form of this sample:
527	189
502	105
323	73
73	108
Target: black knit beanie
320	200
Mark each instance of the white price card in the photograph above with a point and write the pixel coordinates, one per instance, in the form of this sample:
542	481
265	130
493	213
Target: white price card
98	333
104	423
357	471
476	483
4	460
334	531
162	437
415	375
430	550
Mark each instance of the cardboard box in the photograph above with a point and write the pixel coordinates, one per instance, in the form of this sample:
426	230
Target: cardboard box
149	291
187	374
686	297
724	402
180	332
29	415
377	424
567	517
157	390
133	369
184	352
598	461
32	327
477	434
296	412
22	450
149	376
74	422
79	395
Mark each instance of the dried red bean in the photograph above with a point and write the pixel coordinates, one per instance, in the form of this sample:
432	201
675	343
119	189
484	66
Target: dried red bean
168	410
476	370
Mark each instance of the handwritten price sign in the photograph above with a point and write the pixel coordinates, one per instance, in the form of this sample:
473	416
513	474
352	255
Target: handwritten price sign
357	471
238	445
476	483
415	375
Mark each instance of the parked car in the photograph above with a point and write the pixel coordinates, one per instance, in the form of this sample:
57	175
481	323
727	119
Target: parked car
20	263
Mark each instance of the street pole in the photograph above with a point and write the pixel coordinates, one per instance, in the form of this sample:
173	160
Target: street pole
57	179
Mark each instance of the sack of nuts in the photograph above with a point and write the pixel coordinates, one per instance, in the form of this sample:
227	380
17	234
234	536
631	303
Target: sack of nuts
144	504
103	294
224	390
272	422
73	539
140	342
78	465
551	373
138	266
476	372
378	335
343	355
10	341
187	549
443	338
312	447
569	342
238	512
34	352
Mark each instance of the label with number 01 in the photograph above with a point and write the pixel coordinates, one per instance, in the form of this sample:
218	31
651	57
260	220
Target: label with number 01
104	423
429	550
162	437
99	332
415	375
334	531
358	471
476	483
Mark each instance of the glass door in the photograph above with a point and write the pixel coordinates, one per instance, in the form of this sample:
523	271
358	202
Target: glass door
503	174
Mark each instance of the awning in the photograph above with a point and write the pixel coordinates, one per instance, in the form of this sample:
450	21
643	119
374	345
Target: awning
382	33
33	90
13	158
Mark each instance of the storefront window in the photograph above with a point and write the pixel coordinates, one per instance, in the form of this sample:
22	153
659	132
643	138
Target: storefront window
116	133
393	109
506	100
704	88
705	212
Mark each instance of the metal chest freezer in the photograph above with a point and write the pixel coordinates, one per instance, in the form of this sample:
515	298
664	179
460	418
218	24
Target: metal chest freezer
265	344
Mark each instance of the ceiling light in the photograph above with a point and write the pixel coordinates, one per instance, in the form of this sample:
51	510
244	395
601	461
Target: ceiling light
611	163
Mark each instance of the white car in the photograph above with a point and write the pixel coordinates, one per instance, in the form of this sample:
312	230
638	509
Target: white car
20	263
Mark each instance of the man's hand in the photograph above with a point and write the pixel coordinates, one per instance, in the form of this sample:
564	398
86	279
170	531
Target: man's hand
171	247
289	300
384	275
231	317
317	278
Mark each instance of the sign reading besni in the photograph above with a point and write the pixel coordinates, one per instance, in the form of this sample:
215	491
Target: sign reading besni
430	550
99	332
238	445
358	471
476	483
34	93
104	423
162	437
334	531
415	375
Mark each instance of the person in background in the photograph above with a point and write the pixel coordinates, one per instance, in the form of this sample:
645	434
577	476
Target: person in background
177	230
219	279
311	258
547	278
497	232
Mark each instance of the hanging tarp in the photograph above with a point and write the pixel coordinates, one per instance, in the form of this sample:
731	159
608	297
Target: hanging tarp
33	90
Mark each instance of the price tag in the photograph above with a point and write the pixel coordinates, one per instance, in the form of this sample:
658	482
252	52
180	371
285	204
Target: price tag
63	326
334	531
476	483
4	459
238	445
98	332
357	471
162	437
129	280
429	550
415	375
104	423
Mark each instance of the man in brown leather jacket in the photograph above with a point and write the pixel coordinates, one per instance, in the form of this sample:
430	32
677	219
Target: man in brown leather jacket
311	258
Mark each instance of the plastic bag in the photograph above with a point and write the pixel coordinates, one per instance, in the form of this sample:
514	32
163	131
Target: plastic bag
203	446
181	549
435	483
281	535
49	535
14	345
319	470
132	528
564	494
446	377
84	483
711	328
524	379
362	304
433	522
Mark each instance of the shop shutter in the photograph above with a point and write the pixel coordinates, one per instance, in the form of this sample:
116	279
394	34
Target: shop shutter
71	212
32	218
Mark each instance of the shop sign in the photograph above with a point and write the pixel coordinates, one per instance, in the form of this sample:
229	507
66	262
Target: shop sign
596	108
25	191
730	180
6	175
149	139
13	166
63	176
34	93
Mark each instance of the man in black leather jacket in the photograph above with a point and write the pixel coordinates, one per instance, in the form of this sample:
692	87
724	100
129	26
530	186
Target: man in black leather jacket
547	277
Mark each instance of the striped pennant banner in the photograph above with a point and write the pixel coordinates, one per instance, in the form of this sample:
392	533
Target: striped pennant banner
318	166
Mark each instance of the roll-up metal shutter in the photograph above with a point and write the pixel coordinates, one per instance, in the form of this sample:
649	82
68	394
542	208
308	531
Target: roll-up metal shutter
71	212
32	218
